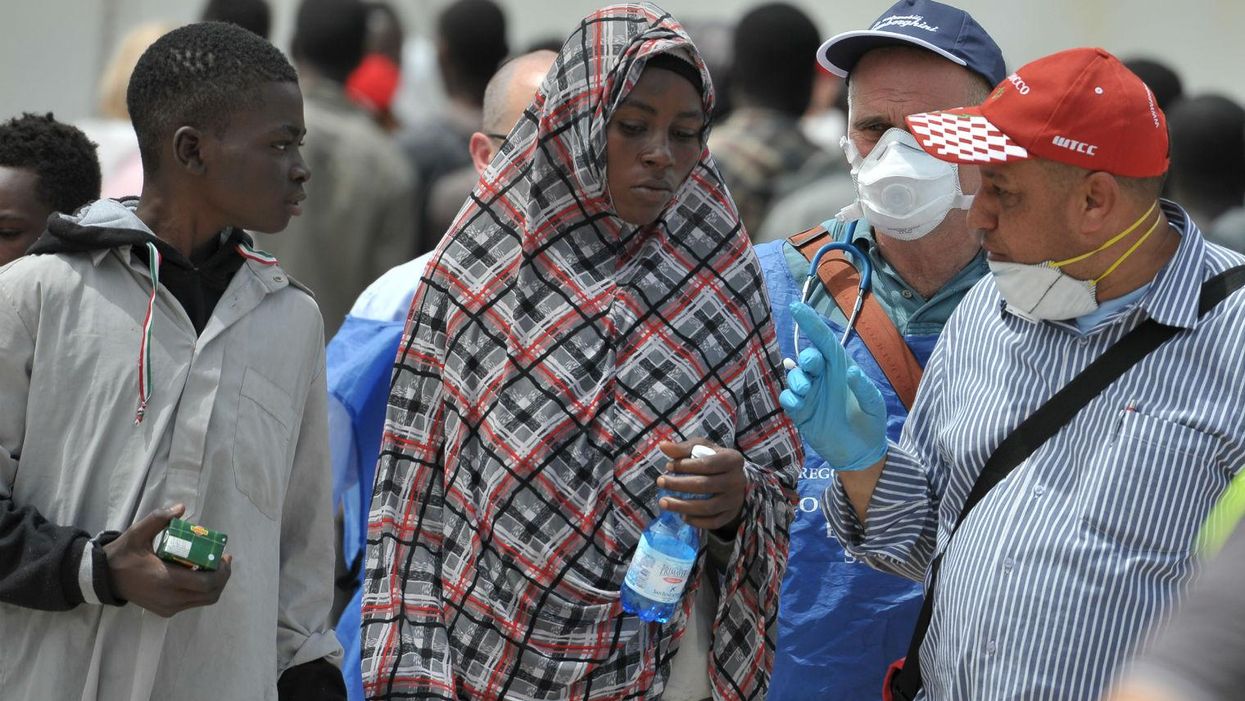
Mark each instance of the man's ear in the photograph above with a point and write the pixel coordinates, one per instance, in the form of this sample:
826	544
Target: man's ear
1099	199
482	151
188	150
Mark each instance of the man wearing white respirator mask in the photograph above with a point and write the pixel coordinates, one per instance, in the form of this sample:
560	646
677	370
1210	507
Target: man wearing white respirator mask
902	191
842	623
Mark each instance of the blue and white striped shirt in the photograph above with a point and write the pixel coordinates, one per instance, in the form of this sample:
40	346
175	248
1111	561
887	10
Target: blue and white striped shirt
1059	571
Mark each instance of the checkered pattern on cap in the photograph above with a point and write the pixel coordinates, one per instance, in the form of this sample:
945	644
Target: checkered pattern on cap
962	137
550	348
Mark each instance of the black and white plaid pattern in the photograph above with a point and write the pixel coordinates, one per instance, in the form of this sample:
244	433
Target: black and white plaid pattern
550	348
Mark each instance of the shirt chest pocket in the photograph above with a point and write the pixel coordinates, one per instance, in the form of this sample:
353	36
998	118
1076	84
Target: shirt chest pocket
261	442
1151	485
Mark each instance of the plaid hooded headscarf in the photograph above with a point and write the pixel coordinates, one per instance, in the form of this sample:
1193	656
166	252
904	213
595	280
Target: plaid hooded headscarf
551	346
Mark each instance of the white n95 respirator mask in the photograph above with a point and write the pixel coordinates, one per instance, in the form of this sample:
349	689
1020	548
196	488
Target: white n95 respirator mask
900	189
1043	291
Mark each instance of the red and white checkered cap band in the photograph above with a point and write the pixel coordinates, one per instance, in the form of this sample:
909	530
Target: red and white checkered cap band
963	138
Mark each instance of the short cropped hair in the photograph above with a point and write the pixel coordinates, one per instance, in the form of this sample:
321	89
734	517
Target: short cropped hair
198	75
330	36
473	33
59	154
774	65
1208	149
254	15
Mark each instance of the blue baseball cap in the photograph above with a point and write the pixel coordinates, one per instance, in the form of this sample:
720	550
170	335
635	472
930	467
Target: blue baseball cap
947	31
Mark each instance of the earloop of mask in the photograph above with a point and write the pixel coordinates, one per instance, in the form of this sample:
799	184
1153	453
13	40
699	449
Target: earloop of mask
1114	240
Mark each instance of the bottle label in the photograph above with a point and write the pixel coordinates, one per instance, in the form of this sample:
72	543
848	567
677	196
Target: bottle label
657	575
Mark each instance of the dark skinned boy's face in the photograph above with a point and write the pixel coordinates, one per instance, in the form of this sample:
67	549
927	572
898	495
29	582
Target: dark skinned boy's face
253	173
23	215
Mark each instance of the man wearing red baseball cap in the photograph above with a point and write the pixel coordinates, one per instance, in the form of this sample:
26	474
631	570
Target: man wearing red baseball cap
1078	117
1086	538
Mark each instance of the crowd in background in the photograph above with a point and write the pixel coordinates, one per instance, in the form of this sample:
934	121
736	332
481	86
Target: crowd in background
776	131
381	194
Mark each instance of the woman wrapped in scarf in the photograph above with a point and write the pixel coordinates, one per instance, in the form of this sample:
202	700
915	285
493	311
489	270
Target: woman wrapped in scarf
593	311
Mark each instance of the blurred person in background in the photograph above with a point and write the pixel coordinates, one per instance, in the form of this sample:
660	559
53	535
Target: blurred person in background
1161	78
1198	655
420	95
825	124
252	15
357	219
842	622
714	38
1208	166
760	148
809	201
501	112
595	307
360	361
376	79
121	167
45	166
1166	85
471	44
825	121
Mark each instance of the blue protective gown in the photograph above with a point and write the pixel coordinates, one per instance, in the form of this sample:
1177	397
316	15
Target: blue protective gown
841	623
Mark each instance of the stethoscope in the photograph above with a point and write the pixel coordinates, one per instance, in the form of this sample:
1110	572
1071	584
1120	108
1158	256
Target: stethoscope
864	269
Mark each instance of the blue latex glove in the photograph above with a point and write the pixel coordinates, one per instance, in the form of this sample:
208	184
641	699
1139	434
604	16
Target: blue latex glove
836	408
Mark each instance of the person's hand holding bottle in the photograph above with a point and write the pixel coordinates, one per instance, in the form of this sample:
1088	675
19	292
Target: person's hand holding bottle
719	477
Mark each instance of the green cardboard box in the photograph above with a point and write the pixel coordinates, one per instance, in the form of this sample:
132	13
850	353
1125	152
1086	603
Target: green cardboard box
191	545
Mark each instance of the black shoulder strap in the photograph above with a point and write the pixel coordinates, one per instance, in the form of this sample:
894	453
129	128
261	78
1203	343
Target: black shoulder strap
1046	422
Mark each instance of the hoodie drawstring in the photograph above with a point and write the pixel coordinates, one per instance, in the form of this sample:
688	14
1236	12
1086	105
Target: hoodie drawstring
144	348
255	254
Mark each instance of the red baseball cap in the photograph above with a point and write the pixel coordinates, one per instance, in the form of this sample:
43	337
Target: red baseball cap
1081	107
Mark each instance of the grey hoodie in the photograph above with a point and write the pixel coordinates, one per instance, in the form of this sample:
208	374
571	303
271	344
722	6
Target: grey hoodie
234	427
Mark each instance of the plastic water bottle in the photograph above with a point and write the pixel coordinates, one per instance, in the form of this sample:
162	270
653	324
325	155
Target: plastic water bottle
663	560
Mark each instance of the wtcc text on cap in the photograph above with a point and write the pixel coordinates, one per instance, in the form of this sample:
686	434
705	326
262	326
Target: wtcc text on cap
1074	145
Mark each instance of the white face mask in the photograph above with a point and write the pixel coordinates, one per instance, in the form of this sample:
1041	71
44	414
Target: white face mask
901	189
1037	291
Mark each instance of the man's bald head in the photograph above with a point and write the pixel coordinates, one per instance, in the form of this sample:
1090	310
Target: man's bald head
511	89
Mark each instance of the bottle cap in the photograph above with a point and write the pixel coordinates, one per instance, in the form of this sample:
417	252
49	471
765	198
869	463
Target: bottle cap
702	451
